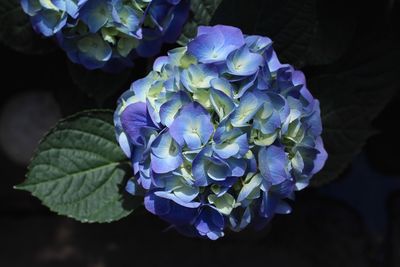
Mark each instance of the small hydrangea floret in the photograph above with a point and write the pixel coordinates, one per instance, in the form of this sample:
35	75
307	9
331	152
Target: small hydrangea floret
220	134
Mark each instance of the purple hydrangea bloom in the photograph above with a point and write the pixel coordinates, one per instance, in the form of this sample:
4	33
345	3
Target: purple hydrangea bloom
220	134
108	34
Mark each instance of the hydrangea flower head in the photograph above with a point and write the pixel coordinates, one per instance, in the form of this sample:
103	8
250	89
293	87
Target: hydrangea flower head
108	33
220	134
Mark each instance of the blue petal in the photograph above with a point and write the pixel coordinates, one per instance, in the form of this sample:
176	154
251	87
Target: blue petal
170	109
94	48
210	223
284	189
72	8
226	131
239	222
124	144
314	120
30	7
187	193
297	163
222	103
145	174
309	155
133	188
226	150
249	105
179	128
217	170
166	154
235	147
133	119
274	64
142	86
180	216
192	126
283	208
250	188
161	204
222	85
206	47
177	200
156	205
95	14
48	22
268	205
237	166
272	115
179	17
272	162
245	85
213	44
199	167
258	44
149	47
127	21
321	157
159	63
198	77
242	62
264	79
233	36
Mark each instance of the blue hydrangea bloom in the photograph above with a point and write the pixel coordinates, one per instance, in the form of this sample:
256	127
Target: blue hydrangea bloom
220	134
108	34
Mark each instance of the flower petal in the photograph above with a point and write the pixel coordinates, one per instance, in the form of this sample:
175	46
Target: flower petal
272	162
242	62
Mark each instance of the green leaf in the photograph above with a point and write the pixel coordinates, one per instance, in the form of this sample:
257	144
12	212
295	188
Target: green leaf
99	85
304	32
16	30
351	96
289	23
334	31
202	12
80	171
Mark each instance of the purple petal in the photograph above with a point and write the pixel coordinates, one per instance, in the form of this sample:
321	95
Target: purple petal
133	119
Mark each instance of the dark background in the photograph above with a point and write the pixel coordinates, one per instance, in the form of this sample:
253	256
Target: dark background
352	221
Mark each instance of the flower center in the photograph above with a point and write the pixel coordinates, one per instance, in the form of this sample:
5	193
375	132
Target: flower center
238	66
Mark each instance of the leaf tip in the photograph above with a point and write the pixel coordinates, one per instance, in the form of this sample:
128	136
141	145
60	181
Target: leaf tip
20	186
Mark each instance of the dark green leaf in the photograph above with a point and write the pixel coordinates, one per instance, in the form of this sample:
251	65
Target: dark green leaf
334	31
304	32
289	23
351	97
80	171
98	84
16	31
202	12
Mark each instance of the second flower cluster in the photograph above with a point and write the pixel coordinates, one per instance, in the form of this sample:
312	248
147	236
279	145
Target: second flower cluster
108	34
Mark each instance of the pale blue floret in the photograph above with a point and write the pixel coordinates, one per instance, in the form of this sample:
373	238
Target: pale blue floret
192	126
242	62
166	154
214	44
